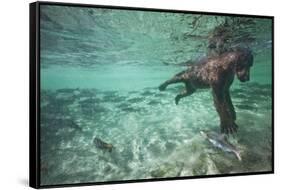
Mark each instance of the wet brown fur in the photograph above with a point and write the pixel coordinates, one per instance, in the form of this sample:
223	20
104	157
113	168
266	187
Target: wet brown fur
216	72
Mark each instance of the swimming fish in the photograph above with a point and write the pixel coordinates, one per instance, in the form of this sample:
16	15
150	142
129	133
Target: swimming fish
220	141
102	145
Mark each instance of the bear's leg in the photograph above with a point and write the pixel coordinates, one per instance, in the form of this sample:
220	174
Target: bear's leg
223	108
186	92
231	107
176	79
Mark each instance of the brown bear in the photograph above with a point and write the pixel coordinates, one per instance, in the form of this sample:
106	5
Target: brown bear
216	72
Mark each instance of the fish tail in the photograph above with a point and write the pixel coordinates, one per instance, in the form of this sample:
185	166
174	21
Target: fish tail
237	154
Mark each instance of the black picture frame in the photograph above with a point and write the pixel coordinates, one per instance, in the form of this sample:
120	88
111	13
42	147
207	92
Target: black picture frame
34	93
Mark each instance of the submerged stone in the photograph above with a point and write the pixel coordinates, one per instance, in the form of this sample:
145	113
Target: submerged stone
136	100
148	93
153	102
66	90
168	170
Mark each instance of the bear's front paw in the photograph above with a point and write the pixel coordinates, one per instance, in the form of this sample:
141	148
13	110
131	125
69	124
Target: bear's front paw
177	99
162	87
229	128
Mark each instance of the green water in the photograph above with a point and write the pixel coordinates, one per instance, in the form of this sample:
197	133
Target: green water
100	72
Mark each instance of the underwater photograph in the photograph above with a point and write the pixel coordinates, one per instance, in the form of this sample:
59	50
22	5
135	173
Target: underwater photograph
142	94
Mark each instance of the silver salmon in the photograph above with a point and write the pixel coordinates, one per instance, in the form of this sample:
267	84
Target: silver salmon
220	141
